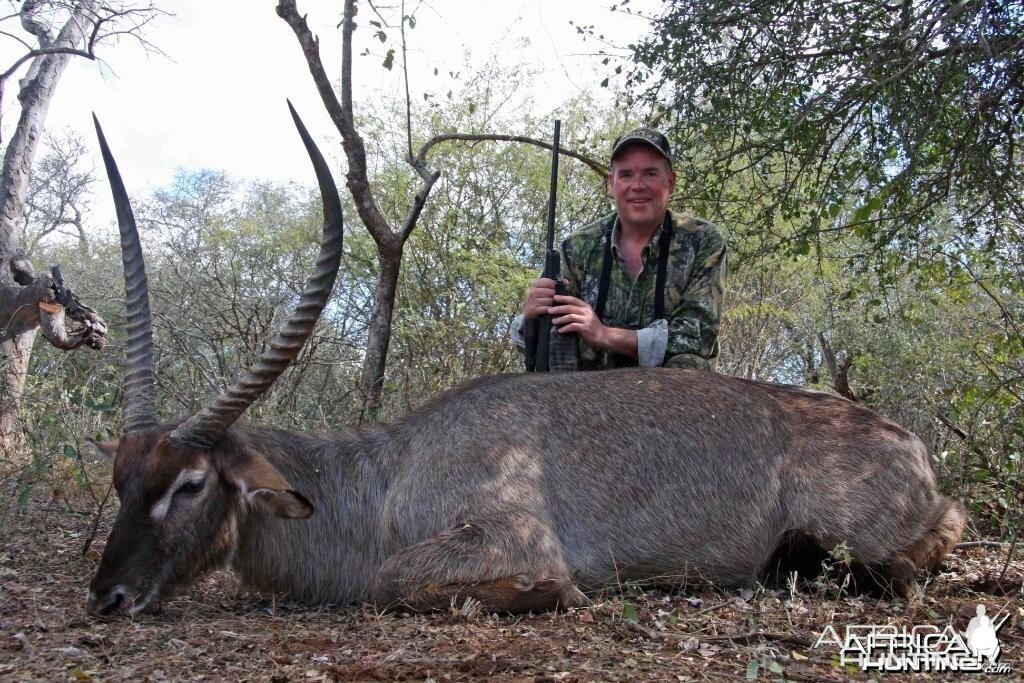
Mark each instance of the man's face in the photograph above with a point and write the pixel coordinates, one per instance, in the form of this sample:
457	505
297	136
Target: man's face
641	182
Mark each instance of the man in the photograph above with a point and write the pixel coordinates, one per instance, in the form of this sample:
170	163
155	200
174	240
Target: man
643	285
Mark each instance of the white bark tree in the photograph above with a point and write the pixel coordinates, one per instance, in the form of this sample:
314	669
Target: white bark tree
51	32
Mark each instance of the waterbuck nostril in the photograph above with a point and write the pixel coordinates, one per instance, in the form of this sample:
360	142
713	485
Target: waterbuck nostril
109	603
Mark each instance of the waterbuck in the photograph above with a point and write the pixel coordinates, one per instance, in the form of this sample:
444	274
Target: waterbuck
516	490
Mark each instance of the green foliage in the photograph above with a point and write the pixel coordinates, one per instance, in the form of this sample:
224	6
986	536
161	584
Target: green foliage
630	613
767	665
852	115
23	496
68	397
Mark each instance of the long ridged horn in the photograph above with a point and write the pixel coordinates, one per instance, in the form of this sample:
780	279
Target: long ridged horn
139	401
209	425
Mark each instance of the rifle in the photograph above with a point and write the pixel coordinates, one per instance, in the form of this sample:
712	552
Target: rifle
538	330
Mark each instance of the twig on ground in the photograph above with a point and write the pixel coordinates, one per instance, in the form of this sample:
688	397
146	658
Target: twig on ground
790	638
96	520
711	608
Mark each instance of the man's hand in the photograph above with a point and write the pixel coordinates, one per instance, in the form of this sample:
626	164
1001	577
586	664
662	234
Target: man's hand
539	298
570	314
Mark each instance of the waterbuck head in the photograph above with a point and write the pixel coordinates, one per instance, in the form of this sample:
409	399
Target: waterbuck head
183	486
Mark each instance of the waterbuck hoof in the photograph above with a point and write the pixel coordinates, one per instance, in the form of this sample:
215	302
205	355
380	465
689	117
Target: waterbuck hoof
574	597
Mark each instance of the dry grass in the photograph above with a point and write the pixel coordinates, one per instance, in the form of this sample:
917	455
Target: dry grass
219	632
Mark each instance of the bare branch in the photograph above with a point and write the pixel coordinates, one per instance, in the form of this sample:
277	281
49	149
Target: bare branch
408	99
418	203
342	115
59	190
24	43
33	24
104	24
596	166
44	51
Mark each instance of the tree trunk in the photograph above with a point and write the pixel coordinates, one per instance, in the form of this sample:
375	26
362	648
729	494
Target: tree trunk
371	380
838	371
14	357
35	93
389	242
812	373
43	303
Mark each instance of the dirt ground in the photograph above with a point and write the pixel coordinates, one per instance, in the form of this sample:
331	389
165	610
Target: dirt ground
217	631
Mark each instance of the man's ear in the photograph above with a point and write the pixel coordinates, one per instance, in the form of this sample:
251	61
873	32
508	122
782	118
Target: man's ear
105	449
262	484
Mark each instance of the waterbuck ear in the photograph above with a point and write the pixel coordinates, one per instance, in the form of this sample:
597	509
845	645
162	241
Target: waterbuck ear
262	484
105	449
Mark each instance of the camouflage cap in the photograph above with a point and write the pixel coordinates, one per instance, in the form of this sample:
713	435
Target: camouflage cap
643	136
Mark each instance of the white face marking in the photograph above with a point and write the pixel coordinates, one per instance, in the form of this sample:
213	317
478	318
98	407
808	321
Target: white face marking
139	605
118	592
161	507
248	495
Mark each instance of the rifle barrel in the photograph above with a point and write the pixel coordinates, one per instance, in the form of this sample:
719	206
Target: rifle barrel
552	267
555	147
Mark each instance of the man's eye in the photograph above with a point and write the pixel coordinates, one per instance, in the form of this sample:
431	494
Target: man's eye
190	488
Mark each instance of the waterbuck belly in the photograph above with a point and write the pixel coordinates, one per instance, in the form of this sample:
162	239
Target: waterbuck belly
685	542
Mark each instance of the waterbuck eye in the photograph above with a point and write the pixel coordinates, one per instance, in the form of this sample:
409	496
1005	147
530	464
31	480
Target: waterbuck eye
191	488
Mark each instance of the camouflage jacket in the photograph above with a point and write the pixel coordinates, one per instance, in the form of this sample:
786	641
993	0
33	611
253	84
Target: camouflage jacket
694	281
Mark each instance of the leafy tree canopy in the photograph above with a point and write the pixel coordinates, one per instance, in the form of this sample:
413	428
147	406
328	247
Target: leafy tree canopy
867	114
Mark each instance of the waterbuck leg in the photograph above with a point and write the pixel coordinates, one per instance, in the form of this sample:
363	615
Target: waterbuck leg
898	575
927	552
511	567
